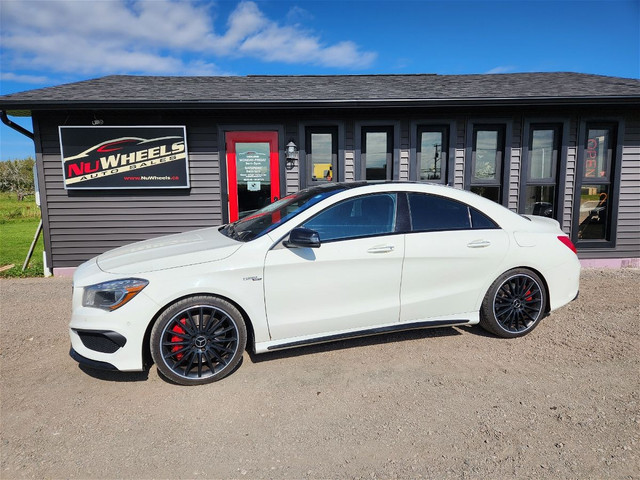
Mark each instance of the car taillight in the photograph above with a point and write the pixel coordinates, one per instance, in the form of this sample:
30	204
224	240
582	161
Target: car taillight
567	241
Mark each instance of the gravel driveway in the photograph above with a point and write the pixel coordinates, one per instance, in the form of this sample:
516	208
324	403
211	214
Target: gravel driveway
562	402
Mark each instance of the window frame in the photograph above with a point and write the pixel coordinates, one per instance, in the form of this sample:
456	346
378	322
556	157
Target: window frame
469	208
392	128
304	159
562	126
617	125
398	220
450	126
503	126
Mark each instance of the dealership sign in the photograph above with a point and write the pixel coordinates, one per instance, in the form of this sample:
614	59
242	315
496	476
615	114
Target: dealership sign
124	157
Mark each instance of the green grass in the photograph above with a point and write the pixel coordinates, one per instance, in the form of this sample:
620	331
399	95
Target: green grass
18	224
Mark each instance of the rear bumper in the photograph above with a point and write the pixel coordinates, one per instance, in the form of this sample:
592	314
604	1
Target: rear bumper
564	283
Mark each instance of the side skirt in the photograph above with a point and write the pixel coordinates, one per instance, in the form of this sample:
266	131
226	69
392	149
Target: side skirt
369	332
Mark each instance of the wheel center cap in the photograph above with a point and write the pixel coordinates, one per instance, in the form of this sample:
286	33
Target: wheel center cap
200	342
517	303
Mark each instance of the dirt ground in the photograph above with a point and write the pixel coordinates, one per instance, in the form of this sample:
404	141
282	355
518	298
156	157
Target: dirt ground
562	402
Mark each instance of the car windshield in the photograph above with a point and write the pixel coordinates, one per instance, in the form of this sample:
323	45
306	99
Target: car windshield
269	217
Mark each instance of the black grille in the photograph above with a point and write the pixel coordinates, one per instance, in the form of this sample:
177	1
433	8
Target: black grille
101	341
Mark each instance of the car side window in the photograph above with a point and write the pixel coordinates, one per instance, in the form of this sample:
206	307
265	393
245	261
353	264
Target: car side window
433	213
356	217
480	221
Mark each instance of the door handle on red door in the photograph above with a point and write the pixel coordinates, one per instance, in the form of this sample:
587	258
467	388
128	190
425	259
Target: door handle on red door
479	244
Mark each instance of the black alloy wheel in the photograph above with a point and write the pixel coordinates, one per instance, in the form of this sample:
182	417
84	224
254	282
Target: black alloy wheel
198	340
514	304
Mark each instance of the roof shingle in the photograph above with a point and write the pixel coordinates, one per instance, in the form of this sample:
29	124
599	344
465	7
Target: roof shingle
331	88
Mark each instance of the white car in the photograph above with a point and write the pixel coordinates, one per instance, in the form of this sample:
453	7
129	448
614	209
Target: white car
327	263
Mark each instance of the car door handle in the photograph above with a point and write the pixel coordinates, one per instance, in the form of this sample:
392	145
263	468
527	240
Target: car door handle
479	244
381	249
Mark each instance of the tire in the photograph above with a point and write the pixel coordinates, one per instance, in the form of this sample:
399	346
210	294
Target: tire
198	340
514	305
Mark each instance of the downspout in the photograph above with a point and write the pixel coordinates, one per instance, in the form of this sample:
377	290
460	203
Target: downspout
31	136
15	126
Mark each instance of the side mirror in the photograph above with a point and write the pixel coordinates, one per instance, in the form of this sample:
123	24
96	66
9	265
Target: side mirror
302	238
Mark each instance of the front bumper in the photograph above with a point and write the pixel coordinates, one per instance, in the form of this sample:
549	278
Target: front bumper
115	338
90	363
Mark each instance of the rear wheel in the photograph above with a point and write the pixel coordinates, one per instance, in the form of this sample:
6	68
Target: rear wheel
514	304
198	340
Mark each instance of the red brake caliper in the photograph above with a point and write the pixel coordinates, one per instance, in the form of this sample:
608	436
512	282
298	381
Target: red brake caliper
174	339
529	298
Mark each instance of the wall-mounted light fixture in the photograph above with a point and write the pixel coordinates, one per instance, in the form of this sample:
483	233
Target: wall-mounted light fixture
291	154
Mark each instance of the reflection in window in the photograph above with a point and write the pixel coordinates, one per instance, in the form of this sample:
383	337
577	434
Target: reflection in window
357	217
254	177
322	156
377	153
492	193
593	212
433	213
542	171
540	200
487	161
486	164
595	186
542	159
432	153
598	154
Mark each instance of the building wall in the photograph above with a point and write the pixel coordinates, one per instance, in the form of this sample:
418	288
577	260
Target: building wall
82	224
629	209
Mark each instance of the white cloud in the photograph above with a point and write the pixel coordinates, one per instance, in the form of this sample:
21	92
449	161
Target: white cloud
155	37
12	77
503	69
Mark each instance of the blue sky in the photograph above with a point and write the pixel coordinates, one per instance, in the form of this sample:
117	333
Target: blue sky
51	42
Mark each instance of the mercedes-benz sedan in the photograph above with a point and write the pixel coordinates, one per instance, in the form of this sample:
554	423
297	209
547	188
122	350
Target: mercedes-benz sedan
327	263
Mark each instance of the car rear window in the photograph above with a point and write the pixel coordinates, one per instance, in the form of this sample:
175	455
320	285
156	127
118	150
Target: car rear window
434	213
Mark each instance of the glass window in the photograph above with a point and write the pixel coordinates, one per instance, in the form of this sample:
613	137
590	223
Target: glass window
593	212
377	153
433	213
542	171
430	212
486	166
541	200
487	161
492	193
322	154
357	217
595	184
597	158
253	176
432	154
479	221
542	154
273	215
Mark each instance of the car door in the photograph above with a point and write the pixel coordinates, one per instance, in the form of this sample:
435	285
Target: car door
451	252
352	281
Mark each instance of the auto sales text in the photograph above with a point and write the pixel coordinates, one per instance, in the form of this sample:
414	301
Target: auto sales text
123	162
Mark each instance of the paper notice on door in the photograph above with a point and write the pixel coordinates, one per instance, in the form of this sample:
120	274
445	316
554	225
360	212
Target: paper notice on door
253	186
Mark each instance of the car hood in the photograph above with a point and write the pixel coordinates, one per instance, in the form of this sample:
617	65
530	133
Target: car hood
189	248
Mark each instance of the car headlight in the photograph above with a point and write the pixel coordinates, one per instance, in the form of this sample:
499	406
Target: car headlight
112	295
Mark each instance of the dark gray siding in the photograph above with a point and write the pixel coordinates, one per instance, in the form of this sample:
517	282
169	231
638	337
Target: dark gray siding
82	224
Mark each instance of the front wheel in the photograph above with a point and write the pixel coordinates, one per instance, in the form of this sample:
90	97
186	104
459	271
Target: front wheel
198	340
514	304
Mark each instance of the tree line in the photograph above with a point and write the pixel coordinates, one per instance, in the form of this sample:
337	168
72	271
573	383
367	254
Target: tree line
17	176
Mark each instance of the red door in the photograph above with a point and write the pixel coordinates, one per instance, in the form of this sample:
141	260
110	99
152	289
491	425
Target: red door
253	172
